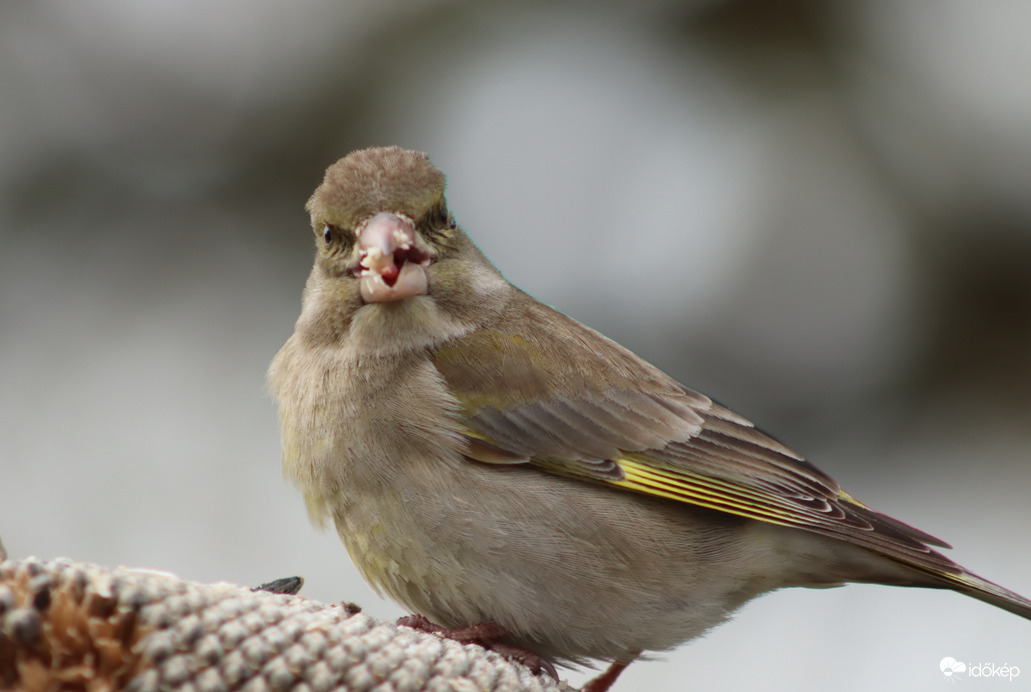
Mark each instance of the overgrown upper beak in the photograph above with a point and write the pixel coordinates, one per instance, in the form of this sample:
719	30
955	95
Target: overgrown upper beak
393	259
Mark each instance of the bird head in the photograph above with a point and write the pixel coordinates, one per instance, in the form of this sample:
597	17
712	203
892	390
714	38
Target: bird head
380	216
389	248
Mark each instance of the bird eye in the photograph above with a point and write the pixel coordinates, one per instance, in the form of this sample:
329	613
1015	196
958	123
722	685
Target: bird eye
445	217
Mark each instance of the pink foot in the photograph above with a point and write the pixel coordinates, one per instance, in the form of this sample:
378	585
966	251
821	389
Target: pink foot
485	634
604	681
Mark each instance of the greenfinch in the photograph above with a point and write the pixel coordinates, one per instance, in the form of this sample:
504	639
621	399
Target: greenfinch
487	459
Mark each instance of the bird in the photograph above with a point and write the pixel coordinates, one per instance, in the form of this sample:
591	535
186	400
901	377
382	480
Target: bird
493	465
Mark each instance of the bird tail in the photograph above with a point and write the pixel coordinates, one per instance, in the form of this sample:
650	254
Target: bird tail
980	588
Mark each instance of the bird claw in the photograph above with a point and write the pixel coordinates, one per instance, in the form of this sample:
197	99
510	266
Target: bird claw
485	634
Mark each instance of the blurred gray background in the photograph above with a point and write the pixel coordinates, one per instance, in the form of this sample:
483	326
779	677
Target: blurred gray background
817	212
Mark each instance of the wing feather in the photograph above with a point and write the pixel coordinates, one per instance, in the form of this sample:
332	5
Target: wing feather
643	432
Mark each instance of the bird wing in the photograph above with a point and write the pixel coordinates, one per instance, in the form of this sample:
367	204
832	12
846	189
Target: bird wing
544	390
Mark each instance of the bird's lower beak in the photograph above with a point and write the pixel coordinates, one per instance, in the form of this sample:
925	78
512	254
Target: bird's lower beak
393	259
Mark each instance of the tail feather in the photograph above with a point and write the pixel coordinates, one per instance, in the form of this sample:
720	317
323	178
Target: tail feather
911	547
977	587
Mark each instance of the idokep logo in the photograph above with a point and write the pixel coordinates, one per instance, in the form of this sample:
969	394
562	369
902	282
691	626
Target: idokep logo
956	670
950	667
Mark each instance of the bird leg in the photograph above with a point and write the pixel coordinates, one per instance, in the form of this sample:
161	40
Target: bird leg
604	681
485	634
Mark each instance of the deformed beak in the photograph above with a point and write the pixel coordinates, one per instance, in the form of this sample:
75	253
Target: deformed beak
393	259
